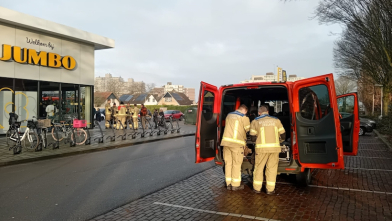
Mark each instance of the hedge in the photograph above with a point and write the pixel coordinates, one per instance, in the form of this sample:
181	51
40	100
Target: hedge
169	107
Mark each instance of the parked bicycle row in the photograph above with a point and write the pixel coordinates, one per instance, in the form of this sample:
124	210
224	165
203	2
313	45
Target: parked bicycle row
73	131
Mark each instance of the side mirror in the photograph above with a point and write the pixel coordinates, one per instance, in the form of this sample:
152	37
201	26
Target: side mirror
340	116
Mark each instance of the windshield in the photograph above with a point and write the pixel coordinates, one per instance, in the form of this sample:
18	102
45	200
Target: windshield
168	112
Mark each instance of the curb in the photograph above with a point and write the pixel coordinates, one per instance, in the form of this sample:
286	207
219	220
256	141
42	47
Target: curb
3	164
385	141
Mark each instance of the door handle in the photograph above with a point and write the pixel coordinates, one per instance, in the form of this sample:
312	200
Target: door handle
310	130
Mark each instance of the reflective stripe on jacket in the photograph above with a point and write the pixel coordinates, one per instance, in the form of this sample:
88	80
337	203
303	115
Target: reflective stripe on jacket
237	124
267	129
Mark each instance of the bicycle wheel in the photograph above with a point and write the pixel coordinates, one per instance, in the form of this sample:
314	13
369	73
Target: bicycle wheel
8	135
57	136
31	140
43	138
80	136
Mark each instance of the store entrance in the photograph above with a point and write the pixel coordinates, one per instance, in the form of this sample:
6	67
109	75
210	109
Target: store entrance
69	101
50	100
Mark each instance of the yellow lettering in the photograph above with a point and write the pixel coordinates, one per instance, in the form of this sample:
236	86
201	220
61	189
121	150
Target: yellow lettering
6	53
68	62
31	56
41	58
54	60
17	54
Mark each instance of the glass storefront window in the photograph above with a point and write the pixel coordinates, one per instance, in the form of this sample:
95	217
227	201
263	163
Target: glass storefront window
85	103
6	91
42	99
26	96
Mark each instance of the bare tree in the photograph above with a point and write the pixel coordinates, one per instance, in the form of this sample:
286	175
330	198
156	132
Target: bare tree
365	45
150	86
115	86
344	85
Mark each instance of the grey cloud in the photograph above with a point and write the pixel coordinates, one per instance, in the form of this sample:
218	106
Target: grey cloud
188	41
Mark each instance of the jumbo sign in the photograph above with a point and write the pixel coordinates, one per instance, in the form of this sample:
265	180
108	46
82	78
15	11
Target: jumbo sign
31	56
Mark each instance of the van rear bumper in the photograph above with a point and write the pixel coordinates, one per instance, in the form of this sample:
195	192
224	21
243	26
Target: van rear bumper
283	168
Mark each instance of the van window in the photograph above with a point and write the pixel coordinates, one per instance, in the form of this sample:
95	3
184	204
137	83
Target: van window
208	105
346	106
314	102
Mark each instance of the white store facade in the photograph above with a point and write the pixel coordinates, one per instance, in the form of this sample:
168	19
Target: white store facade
42	62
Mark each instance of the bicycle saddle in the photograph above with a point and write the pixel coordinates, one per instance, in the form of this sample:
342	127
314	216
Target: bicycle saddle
62	121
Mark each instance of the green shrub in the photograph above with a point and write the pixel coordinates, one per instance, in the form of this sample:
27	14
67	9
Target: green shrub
385	125
169	107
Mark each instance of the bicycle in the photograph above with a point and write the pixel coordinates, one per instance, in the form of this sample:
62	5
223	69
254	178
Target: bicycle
29	139
63	130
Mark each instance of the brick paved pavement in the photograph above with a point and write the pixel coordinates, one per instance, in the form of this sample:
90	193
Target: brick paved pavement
7	157
362	191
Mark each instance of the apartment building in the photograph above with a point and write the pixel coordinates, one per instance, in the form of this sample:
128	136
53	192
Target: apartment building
169	87
268	77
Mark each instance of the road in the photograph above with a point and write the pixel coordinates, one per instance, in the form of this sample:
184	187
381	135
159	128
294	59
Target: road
84	186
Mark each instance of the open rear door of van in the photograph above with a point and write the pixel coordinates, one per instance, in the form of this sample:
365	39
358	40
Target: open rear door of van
207	122
317	139
350	124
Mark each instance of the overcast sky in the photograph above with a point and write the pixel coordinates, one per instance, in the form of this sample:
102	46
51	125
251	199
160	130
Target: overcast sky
188	41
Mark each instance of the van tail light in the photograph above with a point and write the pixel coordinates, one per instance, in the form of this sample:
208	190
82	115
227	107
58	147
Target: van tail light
294	138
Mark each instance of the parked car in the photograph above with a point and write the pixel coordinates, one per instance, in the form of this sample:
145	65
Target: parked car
175	113
371	122
366	126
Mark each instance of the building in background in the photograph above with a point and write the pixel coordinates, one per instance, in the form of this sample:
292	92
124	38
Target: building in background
100	99
118	85
294	78
169	87
190	93
268	77
144	98
174	98
58	68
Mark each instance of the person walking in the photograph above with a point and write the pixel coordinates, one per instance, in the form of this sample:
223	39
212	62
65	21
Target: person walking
162	120
155	117
234	142
98	115
143	115
267	132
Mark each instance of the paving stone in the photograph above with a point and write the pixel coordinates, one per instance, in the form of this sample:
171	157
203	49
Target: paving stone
350	194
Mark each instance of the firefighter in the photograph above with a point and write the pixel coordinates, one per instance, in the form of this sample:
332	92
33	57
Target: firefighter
267	132
121	116
108	114
233	142
135	116
129	114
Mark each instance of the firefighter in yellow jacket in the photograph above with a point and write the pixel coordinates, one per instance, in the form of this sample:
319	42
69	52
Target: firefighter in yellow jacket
267	132
108	114
135	117
233	142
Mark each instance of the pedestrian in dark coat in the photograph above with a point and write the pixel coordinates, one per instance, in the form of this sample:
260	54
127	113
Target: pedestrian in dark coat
98	115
